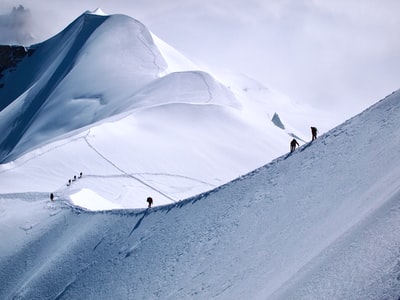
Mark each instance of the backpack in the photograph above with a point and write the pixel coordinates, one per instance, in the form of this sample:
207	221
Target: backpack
314	129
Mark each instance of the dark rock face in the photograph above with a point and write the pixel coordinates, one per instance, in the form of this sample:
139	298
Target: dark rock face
10	56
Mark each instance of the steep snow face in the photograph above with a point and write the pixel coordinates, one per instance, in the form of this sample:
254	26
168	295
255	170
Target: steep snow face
176	61
84	74
320	223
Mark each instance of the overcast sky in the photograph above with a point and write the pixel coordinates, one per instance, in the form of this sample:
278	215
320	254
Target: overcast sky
342	54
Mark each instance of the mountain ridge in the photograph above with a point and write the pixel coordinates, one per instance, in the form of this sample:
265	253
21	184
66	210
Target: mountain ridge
71	39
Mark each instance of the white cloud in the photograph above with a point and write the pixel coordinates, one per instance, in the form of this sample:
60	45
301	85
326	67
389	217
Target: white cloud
14	26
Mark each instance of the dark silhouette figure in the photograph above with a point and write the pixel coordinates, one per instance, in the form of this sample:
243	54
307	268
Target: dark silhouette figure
51	196
149	201
314	132
74	177
69	182
80	175
293	145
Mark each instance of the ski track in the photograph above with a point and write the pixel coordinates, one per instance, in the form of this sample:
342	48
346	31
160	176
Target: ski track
210	96
127	174
139	37
124	173
20	164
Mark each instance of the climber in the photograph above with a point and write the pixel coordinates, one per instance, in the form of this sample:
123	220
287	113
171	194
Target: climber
293	145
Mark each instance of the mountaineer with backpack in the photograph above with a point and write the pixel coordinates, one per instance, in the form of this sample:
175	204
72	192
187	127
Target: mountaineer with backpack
314	131
149	201
293	145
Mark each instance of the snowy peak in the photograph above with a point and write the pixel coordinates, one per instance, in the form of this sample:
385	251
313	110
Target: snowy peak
97	11
92	50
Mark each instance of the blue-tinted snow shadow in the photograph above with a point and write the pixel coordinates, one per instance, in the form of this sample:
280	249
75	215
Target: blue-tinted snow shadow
38	96
139	222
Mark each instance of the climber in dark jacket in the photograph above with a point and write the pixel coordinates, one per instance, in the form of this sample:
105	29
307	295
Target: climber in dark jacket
314	131
293	145
149	201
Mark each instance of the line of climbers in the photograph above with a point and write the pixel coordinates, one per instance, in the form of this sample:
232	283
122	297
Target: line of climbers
68	184
149	199
74	179
294	143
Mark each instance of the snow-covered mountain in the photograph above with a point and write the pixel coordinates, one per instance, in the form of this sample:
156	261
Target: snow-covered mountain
321	223
107	98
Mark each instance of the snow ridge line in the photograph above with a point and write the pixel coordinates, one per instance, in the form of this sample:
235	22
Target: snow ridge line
210	97
127	174
142	29
41	94
61	294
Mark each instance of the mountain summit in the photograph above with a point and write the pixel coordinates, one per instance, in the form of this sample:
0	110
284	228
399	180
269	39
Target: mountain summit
83	75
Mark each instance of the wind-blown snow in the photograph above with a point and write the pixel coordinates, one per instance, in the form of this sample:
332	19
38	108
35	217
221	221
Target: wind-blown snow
320	223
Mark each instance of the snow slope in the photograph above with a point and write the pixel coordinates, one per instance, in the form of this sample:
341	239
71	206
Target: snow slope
77	78
107	98
321	223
